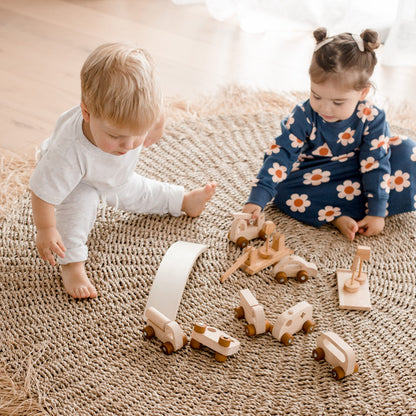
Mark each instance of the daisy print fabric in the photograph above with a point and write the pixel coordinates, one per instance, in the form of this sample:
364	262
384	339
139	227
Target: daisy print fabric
316	171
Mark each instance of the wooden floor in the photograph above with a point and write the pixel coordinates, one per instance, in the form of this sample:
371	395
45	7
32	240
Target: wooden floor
43	44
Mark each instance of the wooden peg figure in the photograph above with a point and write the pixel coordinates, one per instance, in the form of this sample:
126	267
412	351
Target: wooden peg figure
265	251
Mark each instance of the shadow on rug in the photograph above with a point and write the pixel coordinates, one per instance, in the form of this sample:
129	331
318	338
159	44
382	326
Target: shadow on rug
90	358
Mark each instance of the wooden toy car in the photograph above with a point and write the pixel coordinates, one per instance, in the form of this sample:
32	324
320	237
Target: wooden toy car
253	312
243	229
169	332
294	266
293	320
334	350
213	338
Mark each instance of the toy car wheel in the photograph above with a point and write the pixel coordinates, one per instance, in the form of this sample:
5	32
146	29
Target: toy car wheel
318	354
200	328
220	357
338	373
224	341
250	330
286	339
308	327
239	312
167	348
195	344
302	276
356	367
185	340
269	326
242	242
148	332
281	277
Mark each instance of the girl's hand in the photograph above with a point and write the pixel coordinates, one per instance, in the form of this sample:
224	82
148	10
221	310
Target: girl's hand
371	225
48	241
252	209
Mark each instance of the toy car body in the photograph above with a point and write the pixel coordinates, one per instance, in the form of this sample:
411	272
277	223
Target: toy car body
242	230
253	312
294	266
336	352
167	331
213	338
293	320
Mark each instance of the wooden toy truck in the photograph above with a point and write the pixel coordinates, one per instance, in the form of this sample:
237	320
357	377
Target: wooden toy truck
213	338
331	348
243	229
294	266
169	332
253	312
293	320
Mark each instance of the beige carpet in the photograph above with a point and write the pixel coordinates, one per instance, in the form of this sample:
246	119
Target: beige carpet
89	357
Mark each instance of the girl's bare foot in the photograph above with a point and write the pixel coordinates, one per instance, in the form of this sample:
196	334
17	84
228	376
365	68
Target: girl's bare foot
76	281
194	201
347	226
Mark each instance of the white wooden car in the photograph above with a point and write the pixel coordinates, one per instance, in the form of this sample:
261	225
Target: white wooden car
293	320
334	350
243	229
169	332
294	266
215	339
253	312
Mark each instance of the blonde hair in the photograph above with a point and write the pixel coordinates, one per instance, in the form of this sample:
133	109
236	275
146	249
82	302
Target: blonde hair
119	84
342	58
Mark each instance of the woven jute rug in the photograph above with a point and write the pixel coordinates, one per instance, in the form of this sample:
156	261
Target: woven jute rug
88	357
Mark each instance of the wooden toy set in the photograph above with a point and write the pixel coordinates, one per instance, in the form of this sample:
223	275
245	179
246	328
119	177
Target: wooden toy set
164	298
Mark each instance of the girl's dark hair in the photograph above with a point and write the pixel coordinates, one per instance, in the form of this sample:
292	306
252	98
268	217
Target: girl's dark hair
341	59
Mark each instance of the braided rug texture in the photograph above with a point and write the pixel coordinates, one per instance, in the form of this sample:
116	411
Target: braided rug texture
88	357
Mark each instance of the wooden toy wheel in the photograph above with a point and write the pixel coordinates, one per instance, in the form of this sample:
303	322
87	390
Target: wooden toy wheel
281	277
242	242
185	340
195	344
200	328
286	339
338	373
356	367
224	341
269	326
308	327
302	276
250	330
148	332
220	357
239	312
318	354
167	348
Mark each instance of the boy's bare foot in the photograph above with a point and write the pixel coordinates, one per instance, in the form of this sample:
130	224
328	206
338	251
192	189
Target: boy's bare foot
76	281
347	226
194	201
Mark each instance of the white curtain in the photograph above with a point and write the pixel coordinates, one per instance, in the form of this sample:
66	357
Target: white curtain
260	16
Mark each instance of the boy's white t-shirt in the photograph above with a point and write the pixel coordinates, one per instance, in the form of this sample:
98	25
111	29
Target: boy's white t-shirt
68	158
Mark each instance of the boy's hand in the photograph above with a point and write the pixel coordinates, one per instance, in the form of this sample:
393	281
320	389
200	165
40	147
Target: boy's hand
48	241
371	225
252	209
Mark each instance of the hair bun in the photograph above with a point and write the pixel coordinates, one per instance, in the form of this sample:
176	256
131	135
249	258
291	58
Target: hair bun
370	39
320	34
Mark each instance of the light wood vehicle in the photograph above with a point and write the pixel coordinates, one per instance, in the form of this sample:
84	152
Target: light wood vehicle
243	229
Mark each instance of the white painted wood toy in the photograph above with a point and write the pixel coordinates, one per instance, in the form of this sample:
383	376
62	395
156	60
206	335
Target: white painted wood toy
293	320
294	266
255	259
243	228
353	288
171	277
253	312
334	350
220	342
169	332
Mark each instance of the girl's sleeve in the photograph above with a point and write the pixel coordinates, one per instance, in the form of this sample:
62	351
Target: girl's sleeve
281	155
375	164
